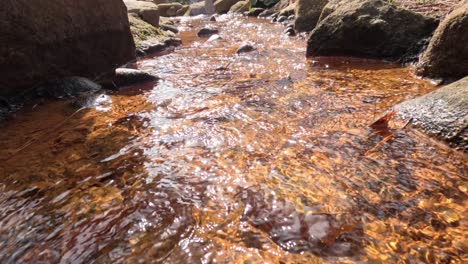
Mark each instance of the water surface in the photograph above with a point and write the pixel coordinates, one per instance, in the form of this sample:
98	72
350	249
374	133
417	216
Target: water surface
264	157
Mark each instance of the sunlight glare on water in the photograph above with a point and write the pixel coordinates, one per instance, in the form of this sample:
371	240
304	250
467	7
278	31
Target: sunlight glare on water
263	157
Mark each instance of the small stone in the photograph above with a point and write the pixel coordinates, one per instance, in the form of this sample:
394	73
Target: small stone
205	32
245	48
281	19
291	17
214	38
290	32
213	19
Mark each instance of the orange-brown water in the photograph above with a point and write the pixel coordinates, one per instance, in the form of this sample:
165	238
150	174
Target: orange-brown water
264	157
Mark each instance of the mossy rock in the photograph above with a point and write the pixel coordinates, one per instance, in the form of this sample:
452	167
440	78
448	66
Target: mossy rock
141	30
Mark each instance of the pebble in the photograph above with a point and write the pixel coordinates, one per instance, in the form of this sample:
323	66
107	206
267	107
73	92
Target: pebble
245	48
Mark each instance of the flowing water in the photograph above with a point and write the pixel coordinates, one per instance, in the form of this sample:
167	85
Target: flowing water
263	157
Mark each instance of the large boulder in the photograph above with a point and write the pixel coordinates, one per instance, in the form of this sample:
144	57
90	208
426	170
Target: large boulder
447	54
371	29
62	38
240	7
307	14
148	38
329	8
223	6
171	9
196	9
442	113
147	11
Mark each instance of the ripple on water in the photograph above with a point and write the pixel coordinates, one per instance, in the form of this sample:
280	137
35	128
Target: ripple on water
262	157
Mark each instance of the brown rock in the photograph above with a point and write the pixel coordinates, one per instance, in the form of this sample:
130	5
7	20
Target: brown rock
61	38
371	29
447	54
307	14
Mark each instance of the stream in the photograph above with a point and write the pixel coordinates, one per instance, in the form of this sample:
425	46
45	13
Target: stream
260	157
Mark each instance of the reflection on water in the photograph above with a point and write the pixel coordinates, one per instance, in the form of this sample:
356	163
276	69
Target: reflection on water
263	157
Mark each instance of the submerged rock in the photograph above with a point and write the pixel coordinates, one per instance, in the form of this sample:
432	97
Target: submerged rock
40	43
307	14
306	231
206	32
245	48
447	54
442	113
372	29
66	88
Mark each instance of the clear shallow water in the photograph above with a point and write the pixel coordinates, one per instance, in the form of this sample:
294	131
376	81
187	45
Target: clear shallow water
264	157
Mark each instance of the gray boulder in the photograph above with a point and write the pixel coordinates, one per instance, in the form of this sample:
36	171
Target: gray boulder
371	29
442	113
447	54
307	14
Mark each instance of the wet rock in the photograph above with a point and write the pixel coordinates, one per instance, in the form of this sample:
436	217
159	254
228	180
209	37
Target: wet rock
214	37
125	77
255	11
213	19
372	29
240	7
206	32
71	87
281	19
245	48
291	17
290	32
38	44
447	54
223	6
147	11
442	113
307	14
